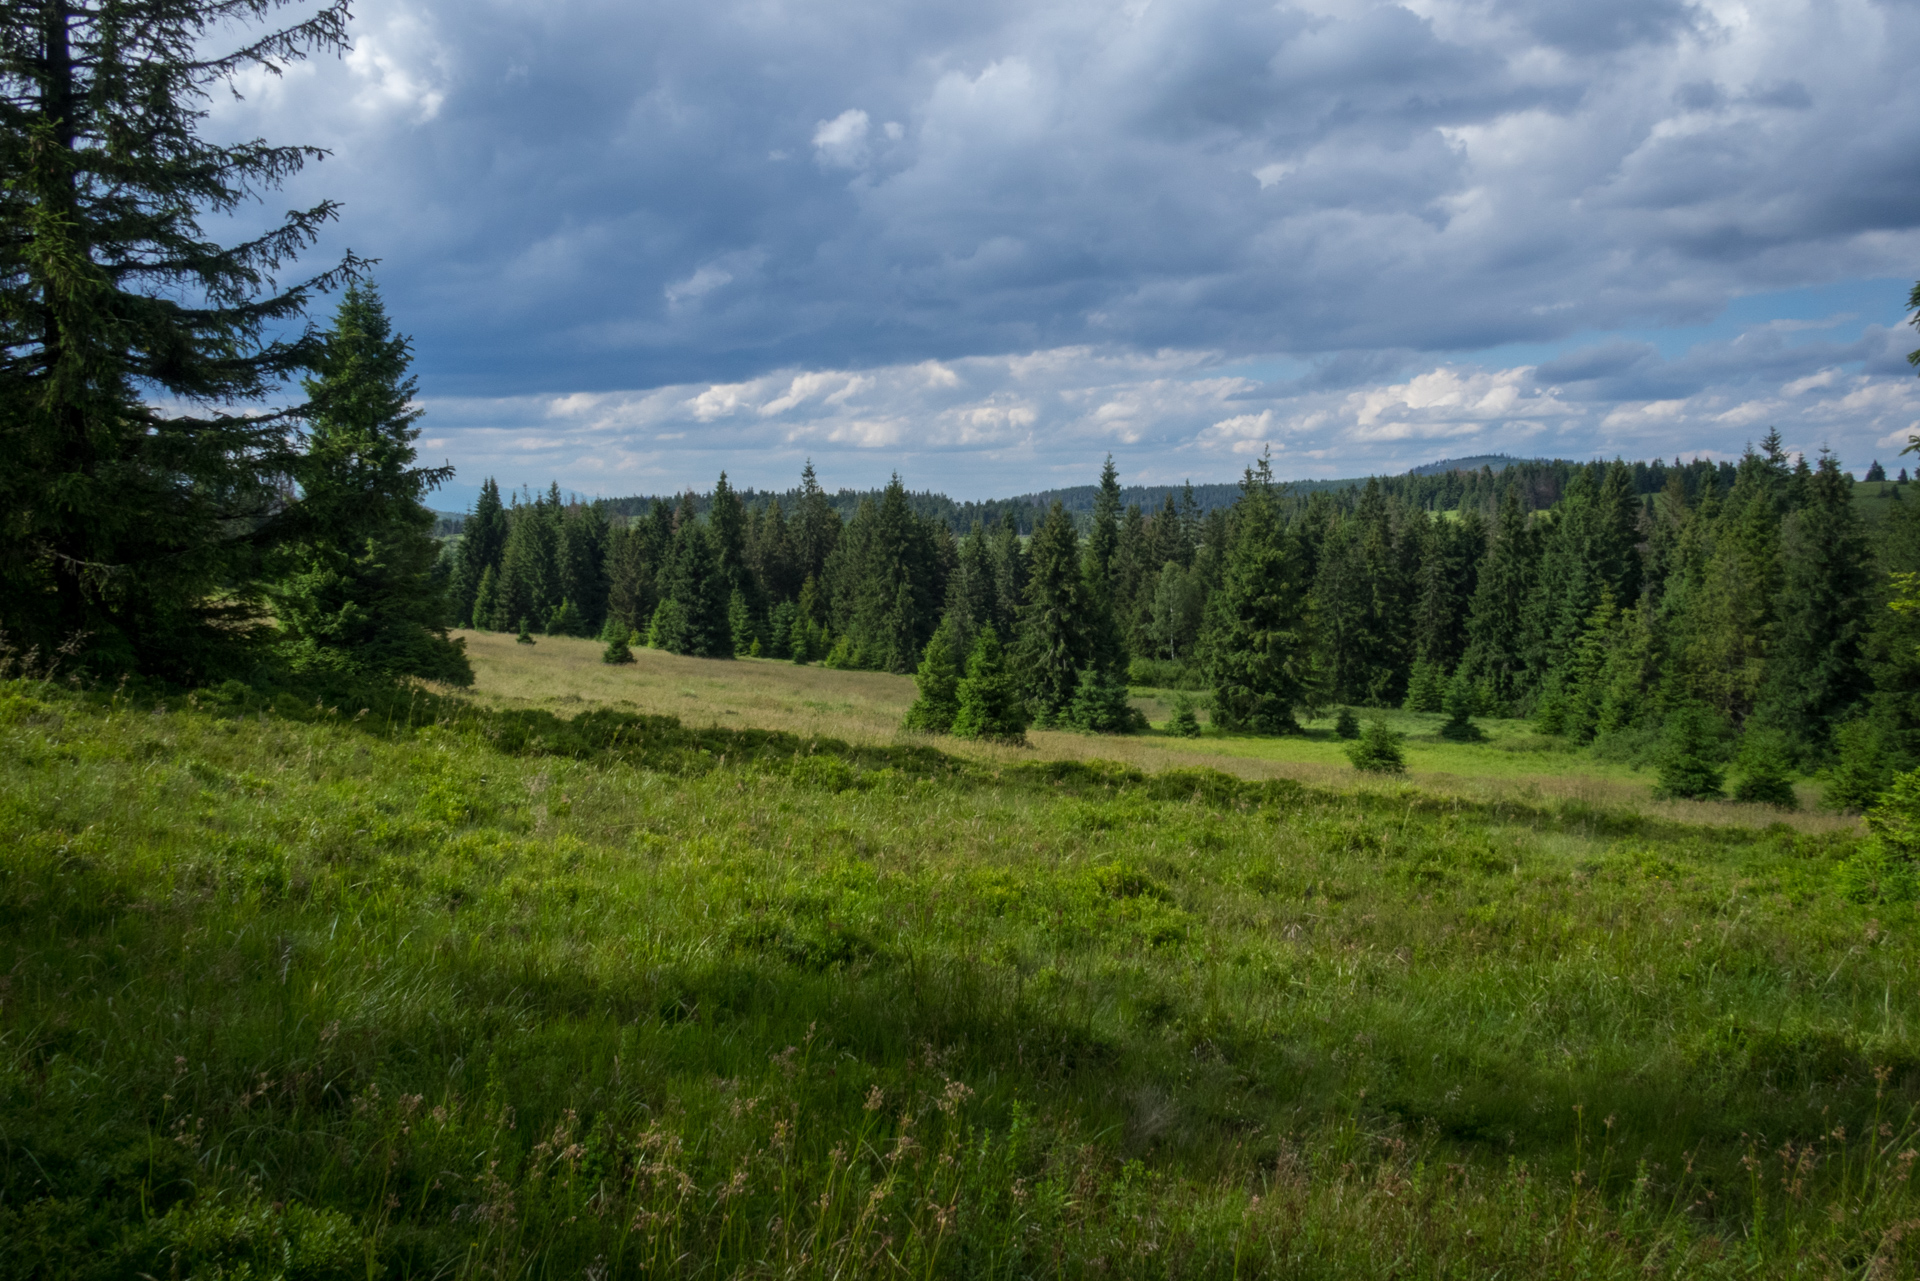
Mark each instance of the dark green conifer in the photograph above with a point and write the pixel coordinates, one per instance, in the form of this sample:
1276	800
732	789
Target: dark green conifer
1346	724
526	636
1258	654
356	592
483	538
1816	667
938	682
668	628
1460	703
696	584
614	636
565	620
1766	778
1496	627
1426	686
1690	757
1053	643
486	603
141	484
1184	723
1378	750
990	706
1100	704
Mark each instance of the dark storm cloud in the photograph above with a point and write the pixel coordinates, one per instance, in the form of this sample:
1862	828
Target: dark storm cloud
598	195
630	238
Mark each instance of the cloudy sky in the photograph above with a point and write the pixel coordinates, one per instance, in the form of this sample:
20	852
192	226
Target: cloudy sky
987	243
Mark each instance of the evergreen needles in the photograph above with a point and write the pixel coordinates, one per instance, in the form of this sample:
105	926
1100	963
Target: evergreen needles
1378	750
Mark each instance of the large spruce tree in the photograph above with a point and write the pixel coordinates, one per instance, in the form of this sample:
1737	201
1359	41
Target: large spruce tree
1054	644
139	487
1258	641
355	592
1817	665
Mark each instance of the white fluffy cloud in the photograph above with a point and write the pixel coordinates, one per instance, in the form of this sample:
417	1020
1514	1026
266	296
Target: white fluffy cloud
1002	424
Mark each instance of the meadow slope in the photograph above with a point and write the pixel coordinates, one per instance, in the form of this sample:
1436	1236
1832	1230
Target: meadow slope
441	990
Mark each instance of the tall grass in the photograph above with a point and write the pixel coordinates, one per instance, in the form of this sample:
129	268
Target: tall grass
433	991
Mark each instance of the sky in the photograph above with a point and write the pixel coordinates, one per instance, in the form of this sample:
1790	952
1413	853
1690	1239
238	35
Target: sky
986	244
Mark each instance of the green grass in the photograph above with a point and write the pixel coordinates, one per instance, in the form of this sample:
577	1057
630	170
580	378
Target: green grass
498	994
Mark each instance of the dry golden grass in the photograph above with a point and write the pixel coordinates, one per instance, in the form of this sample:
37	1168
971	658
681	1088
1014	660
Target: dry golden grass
565	675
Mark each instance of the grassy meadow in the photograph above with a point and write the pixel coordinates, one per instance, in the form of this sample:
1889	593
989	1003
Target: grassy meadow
565	675
543	983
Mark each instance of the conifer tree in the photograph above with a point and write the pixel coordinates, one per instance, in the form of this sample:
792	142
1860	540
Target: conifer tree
486	603
938	682
1459	704
1426	686
1178	611
1346	724
1258	636
141	490
740	622
1817	663
973	598
1100	704
1496	626
1765	777
614	637
632	576
1689	757
483	536
817	528
1184	723
1009	575
1378	750
526	635
565	620
990	706
581	555
1103	536
1053	643
355	591
698	589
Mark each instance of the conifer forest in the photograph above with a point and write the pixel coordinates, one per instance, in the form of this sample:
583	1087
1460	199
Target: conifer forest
1599	601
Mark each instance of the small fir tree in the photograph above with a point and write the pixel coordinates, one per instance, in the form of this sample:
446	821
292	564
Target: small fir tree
1426	687
740	623
990	704
1461	702
1184	723
780	630
1689	757
486	603
1864	770
565	620
939	684
1100	703
1765	778
526	636
668	628
617	651
1346	724
1378	750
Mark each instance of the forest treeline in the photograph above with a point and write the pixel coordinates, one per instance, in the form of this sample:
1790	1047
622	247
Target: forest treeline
1437	487
1597	599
